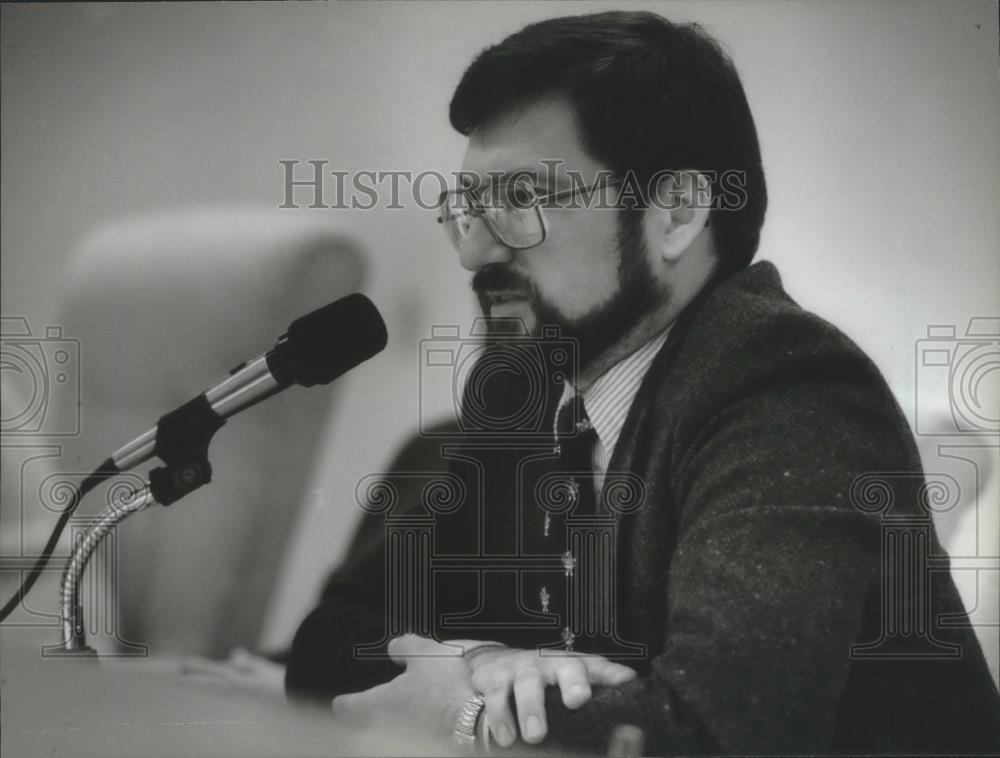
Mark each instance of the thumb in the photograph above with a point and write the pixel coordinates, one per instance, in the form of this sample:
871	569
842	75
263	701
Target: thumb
603	671
408	647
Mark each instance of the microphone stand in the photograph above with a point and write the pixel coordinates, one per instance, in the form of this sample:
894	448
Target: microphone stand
70	608
182	439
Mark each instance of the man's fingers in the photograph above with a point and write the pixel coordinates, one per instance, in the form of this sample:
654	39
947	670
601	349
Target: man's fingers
603	671
494	682
571	676
528	674
501	720
529	697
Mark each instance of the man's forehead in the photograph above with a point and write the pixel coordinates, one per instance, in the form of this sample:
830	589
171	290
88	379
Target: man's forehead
541	137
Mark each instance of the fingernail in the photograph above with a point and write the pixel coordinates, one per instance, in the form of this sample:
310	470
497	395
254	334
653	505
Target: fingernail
533	728
504	735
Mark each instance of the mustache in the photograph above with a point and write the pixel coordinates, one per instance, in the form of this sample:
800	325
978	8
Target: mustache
500	278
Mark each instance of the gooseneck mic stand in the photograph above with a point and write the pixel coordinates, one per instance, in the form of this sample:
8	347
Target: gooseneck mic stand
74	638
182	439
316	349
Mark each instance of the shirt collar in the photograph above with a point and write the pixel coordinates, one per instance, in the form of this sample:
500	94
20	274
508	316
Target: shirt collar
608	399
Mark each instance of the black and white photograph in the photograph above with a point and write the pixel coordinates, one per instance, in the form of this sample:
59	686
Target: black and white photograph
529	378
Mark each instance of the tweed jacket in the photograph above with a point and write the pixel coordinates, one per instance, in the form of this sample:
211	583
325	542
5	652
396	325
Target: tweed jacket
762	577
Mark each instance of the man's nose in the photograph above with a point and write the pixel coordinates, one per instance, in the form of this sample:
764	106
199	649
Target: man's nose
488	252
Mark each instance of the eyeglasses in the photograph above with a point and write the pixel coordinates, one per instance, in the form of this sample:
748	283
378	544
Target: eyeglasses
510	211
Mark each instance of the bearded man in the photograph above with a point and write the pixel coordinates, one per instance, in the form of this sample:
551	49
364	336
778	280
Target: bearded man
741	601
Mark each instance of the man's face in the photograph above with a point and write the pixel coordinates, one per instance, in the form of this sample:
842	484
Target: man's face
591	276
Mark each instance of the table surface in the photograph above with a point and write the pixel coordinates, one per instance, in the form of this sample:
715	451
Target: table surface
150	707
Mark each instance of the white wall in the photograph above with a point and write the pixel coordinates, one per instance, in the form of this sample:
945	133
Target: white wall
878	122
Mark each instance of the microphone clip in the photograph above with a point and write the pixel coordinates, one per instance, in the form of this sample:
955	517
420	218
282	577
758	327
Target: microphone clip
182	440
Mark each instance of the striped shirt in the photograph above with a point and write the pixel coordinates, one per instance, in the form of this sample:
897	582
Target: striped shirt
608	400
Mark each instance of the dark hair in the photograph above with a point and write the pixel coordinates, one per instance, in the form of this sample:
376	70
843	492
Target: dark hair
649	95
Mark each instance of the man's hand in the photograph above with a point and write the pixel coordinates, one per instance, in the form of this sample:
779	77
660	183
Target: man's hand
496	671
428	695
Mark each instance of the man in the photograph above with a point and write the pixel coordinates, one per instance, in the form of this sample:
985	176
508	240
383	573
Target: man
743	598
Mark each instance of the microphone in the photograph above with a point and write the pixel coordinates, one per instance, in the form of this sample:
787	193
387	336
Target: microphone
316	349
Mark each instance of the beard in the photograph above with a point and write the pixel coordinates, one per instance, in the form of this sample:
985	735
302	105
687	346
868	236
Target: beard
595	332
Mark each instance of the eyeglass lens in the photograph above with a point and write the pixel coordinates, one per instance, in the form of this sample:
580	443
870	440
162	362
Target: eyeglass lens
512	214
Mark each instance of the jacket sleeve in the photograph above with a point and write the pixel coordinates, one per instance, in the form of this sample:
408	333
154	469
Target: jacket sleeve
772	569
323	663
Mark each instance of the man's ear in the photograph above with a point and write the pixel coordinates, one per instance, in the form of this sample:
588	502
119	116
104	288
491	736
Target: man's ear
678	208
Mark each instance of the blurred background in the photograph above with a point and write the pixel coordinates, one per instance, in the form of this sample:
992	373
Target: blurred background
145	252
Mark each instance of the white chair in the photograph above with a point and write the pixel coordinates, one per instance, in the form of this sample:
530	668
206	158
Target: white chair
164	306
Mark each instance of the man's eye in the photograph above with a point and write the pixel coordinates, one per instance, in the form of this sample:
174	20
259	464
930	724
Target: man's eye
521	195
